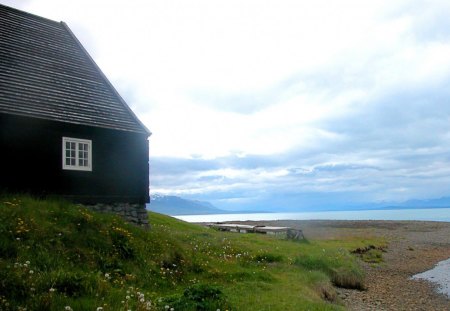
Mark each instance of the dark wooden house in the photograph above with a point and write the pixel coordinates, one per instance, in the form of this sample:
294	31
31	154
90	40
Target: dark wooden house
64	129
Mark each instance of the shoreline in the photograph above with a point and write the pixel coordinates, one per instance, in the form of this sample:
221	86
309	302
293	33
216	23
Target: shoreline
413	247
439	275
415	214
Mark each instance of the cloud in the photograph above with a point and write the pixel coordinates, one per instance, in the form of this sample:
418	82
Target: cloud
280	103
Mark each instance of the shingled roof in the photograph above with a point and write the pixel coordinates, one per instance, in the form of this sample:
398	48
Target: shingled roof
46	73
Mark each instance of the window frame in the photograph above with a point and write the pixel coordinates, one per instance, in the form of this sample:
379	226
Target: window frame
77	166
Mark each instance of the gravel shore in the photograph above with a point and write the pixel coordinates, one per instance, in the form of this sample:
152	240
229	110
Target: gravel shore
413	247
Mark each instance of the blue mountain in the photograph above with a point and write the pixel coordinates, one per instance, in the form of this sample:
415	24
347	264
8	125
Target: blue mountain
174	205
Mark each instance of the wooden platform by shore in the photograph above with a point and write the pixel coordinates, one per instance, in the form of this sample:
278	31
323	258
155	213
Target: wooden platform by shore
291	233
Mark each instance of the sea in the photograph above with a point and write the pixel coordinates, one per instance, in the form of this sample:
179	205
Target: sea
426	214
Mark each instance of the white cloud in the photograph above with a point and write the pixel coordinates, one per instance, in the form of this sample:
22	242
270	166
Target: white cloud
347	82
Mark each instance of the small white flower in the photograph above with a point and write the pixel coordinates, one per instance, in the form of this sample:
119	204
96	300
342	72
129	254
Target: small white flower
51	290
127	297
67	308
166	307
99	309
31	271
142	300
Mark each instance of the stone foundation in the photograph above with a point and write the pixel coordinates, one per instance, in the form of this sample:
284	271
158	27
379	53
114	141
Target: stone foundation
133	213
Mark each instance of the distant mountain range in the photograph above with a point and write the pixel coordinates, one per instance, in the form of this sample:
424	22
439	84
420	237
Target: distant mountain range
173	205
440	202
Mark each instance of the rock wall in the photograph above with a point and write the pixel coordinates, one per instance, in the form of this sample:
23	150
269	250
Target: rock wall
133	213
294	234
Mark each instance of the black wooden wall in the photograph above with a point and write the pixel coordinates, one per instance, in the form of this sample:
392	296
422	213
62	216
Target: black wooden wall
31	161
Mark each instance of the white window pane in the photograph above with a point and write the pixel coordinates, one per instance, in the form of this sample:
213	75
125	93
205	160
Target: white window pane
77	154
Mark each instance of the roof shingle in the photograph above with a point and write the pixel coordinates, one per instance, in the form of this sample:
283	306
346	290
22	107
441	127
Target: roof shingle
46	73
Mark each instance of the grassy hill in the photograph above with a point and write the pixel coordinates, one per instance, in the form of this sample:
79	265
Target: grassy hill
59	256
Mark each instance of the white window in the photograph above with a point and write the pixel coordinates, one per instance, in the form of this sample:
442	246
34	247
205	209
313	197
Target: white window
77	154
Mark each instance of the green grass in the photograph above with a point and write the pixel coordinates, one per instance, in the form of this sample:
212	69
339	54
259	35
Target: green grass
371	253
55	255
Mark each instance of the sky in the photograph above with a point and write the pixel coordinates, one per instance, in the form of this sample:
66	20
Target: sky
279	105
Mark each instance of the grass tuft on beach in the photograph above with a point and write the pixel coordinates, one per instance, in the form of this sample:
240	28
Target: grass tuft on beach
55	255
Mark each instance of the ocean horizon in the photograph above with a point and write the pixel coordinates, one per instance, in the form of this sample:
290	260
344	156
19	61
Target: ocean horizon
415	214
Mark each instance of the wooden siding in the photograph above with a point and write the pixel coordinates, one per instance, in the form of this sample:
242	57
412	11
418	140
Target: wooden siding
46	73
31	161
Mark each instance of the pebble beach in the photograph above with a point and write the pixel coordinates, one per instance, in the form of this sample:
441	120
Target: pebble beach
414	248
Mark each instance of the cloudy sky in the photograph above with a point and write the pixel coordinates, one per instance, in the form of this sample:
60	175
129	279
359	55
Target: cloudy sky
279	104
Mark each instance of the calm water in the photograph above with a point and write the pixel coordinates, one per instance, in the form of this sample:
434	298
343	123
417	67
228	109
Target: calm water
432	214
440	275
